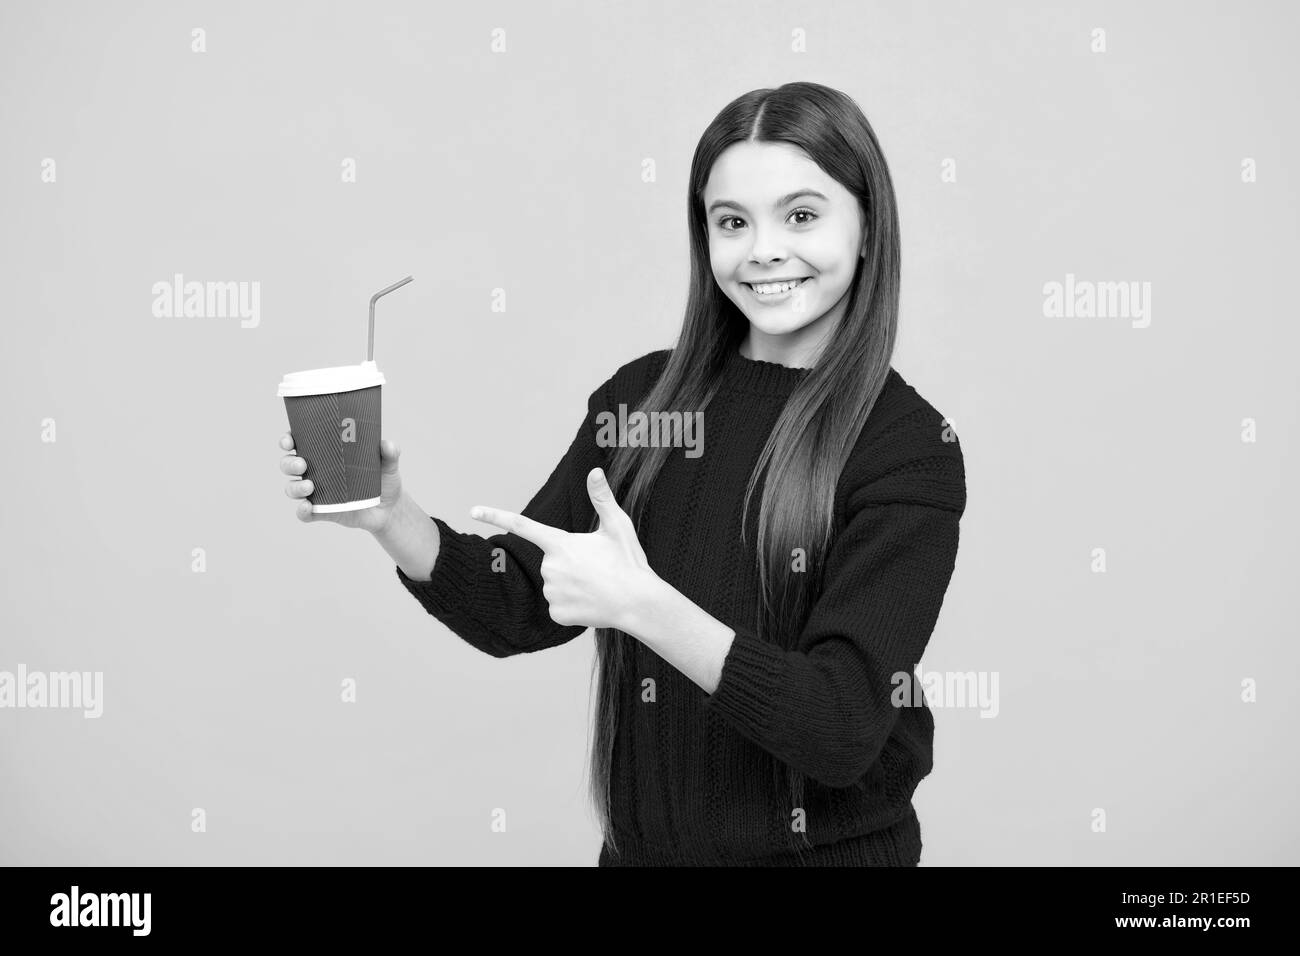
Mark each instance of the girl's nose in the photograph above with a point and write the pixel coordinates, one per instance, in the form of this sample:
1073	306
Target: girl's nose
767	248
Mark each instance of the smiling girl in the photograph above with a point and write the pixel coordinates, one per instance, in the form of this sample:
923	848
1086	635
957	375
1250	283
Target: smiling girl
758	608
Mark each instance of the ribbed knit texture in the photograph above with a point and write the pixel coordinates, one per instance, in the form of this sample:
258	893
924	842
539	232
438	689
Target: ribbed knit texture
693	772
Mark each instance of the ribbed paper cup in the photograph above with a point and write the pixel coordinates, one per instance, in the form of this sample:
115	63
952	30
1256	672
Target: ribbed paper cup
334	417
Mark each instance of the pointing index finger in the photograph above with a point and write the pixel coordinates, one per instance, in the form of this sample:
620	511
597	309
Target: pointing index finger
542	535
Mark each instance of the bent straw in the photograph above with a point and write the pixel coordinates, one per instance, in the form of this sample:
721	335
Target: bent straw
370	342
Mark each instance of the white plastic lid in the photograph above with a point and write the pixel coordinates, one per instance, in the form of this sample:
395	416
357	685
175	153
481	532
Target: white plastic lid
321	381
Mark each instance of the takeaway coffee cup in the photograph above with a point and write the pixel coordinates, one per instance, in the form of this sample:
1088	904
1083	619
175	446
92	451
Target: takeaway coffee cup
334	417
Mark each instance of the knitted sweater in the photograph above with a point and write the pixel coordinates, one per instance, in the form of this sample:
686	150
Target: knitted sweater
692	780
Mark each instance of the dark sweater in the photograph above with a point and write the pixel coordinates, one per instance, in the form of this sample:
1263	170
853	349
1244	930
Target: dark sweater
692	776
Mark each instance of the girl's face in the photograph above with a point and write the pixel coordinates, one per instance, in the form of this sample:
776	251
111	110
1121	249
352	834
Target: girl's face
773	215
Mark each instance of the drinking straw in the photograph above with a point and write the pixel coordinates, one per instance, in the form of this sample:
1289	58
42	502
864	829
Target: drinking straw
370	343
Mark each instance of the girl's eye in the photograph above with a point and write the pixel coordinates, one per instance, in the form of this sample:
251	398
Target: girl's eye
802	210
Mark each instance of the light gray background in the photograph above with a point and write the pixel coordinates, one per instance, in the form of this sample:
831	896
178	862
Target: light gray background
522	170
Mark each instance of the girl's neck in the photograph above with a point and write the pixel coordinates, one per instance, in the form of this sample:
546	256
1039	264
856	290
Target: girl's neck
796	350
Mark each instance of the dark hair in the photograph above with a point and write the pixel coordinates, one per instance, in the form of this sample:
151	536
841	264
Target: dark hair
823	416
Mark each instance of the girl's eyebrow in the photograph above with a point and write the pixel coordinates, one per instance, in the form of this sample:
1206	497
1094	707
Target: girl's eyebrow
787	198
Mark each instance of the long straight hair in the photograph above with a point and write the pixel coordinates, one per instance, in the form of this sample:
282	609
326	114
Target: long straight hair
822	418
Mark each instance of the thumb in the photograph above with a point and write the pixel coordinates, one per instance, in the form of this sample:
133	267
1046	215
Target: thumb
612	517
389	452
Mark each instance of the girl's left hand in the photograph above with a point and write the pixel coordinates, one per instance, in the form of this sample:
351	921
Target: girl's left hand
593	579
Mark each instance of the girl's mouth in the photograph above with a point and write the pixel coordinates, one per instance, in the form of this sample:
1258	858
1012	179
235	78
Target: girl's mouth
774	291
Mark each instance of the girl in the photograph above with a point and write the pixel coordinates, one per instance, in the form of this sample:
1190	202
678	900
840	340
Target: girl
760	599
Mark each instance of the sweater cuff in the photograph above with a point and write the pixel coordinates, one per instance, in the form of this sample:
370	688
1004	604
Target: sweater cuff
452	580
747	689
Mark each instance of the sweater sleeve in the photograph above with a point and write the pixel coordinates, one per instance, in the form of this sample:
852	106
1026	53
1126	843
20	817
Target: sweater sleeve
492	598
825	708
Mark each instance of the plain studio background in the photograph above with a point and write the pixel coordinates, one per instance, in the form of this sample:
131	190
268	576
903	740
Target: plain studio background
525	170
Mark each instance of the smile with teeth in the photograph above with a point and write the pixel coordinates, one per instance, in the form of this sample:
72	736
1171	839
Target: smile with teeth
775	288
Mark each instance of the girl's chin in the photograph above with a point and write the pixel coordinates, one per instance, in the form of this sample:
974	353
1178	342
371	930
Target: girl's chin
781	314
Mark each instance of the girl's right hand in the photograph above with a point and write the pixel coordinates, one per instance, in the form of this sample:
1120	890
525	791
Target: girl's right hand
373	519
